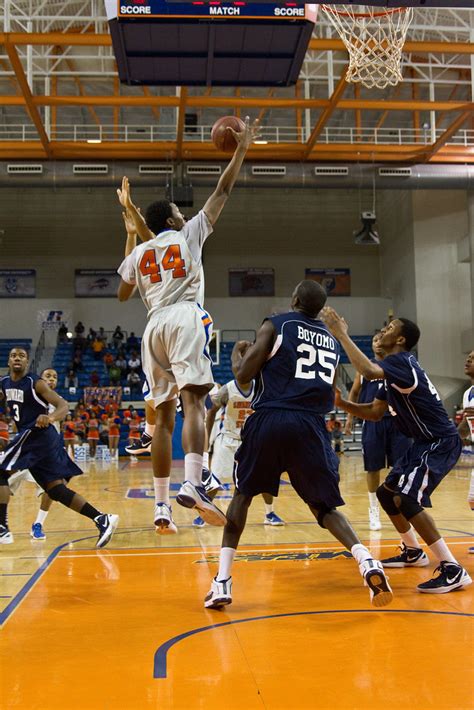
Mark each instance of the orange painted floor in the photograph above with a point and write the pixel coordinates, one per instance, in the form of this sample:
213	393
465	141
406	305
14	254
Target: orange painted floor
125	628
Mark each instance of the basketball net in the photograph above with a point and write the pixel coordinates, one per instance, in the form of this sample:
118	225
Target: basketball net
374	38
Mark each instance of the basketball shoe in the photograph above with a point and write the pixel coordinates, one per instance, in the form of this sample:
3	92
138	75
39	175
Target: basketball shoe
106	525
198	522
163	520
6	538
37	532
219	595
451	577
375	579
409	557
273	519
141	445
191	496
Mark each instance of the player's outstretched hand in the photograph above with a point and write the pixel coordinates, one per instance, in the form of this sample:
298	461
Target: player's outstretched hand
123	194
242	346
43	421
249	134
336	323
129	222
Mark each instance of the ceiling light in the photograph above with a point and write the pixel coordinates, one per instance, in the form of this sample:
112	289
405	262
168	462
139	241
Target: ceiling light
94	140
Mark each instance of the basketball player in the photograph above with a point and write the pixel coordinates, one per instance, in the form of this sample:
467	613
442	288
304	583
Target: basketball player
38	446
466	427
294	361
435	450
168	273
236	400
382	442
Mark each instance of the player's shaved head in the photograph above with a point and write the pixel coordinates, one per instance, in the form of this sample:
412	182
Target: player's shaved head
309	297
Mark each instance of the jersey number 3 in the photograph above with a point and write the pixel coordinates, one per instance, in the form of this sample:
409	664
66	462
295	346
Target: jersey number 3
171	261
326	361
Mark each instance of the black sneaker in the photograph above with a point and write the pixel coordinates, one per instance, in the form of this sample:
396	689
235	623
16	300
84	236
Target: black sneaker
6	538
141	446
106	525
451	577
409	557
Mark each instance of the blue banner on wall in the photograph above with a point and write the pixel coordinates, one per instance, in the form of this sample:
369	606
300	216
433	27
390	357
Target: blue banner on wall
17	283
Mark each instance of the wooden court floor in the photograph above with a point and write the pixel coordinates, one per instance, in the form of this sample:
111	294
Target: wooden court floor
125	628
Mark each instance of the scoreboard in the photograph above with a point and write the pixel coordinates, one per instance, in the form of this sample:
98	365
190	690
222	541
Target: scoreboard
215	8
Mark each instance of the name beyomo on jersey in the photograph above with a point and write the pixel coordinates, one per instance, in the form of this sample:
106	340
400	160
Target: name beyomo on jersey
319	339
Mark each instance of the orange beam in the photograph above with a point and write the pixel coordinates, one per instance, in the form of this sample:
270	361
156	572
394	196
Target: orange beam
237	95
264	110
230	101
415	94
451	96
299	114
450	131
181	115
27	95
316	44
326	114
155	109
358	115
116	108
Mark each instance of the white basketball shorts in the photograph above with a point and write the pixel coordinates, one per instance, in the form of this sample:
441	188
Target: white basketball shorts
223	459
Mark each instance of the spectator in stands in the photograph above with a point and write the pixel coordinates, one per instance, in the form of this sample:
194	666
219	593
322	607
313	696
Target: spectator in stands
91	336
108	359
134	362
132	341
62	333
71	380
121	362
79	330
102	335
76	365
115	374
118	337
134	382
98	346
94	379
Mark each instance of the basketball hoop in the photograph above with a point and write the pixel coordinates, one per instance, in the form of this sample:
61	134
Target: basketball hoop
374	39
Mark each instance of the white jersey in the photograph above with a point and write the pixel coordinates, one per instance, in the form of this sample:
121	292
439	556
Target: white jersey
168	269
468	401
237	408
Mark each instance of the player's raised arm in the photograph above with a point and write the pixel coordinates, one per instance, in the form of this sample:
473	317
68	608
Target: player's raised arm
62	407
219	400
219	197
133	213
373	411
248	359
353	397
338	327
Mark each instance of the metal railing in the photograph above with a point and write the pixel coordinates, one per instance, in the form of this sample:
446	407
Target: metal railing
130	133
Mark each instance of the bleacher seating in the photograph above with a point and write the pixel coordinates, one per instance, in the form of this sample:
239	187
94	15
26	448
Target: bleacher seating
6	344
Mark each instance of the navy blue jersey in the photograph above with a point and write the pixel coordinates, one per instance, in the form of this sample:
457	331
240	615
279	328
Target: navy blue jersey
300	370
25	404
369	390
414	399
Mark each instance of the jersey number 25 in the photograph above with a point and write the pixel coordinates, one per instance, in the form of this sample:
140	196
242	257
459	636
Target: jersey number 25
172	260
327	362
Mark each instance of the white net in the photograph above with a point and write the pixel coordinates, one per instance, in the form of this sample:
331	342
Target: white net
374	38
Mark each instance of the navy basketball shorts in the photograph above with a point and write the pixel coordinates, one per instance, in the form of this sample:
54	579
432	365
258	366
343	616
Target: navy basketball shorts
382	444
275	441
41	451
423	467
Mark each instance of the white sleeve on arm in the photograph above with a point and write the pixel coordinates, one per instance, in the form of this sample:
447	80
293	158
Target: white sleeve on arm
127	270
196	231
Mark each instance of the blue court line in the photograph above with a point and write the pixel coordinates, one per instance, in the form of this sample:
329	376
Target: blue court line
160	657
19	596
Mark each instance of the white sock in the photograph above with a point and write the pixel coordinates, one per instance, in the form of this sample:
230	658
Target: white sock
205	460
409	538
470	495
162	489
41	517
360	553
441	551
268	508
193	469
149	429
373	502
226	558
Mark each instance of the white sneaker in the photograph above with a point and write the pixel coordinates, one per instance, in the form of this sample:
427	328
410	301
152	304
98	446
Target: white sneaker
6	538
164	522
219	595
191	496
374	518
106	525
375	579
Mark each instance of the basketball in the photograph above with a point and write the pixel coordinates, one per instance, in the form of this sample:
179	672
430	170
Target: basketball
221	137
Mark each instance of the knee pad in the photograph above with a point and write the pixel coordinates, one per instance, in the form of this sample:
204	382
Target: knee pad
61	493
408	507
4	478
385	498
323	510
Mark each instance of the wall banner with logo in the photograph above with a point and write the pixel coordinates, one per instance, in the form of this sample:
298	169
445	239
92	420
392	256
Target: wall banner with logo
337	282
17	283
251	282
96	283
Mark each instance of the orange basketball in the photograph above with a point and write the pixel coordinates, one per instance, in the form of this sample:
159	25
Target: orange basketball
221	137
